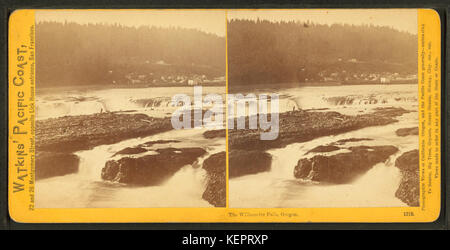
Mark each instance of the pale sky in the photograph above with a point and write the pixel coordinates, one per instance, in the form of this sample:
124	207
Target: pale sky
400	19
211	21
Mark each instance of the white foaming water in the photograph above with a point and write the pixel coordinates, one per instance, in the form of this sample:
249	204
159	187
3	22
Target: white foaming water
154	101
350	99
86	188
375	188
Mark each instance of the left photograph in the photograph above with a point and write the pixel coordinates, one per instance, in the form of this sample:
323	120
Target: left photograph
112	88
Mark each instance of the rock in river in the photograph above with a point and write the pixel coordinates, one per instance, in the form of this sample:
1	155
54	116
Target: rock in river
51	164
150	169
215	192
407	131
409	189
131	151
342	167
244	162
323	149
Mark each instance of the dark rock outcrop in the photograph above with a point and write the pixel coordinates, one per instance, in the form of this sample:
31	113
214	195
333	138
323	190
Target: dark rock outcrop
51	164
215	192
407	131
242	162
141	148
74	133
301	126
342	167
150	169
323	149
343	141
131	151
151	143
409	189
210	134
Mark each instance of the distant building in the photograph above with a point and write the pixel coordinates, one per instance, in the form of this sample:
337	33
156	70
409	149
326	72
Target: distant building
194	81
384	80
161	62
135	81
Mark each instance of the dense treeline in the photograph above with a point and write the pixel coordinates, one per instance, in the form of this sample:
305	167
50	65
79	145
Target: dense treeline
261	51
71	53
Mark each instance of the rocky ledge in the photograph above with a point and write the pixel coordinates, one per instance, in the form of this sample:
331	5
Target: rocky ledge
323	149
74	133
342	167
409	189
215	192
301	126
51	164
211	134
407	131
150	169
242	162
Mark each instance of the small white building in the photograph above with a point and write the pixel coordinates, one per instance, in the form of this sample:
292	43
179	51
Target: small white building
385	80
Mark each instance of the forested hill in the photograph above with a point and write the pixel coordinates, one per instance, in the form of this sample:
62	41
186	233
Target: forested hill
71	53
271	52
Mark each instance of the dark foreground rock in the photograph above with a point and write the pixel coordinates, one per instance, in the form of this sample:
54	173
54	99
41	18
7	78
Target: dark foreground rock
242	162
215	192
407	131
73	133
409	189
343	167
51	164
150	169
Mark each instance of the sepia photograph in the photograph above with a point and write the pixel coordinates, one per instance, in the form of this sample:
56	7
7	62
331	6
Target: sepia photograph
345	88
108	83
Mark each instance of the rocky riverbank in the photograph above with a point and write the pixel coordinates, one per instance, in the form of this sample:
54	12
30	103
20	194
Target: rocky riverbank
215	192
50	164
58	138
74	133
301	126
407	131
409	189
244	162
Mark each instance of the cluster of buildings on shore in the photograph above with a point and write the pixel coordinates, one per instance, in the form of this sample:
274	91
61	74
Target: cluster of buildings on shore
172	79
346	77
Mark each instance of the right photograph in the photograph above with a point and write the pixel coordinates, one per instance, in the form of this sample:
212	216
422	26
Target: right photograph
331	108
